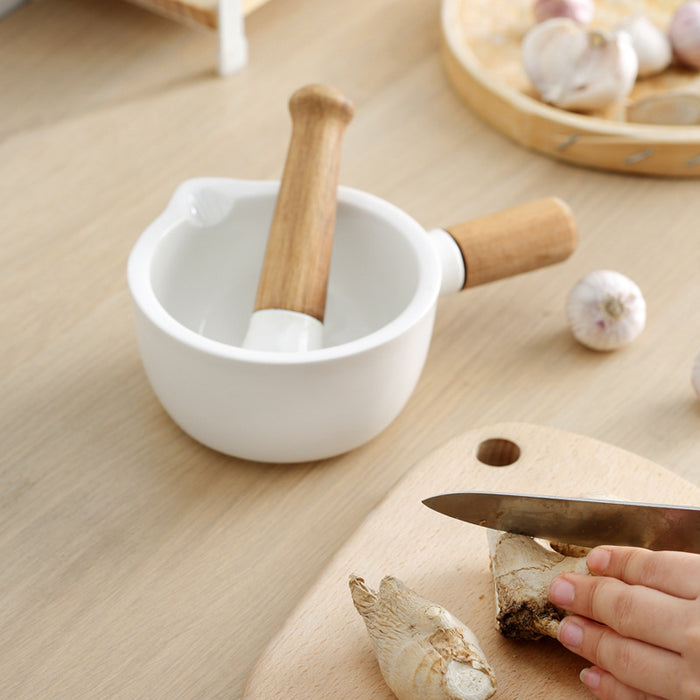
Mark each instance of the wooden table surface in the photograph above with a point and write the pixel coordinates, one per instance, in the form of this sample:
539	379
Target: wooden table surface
137	563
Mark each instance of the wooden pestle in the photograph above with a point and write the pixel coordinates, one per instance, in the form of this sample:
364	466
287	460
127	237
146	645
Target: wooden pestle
294	275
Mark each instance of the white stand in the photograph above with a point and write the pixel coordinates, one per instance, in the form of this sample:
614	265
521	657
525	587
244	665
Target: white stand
233	45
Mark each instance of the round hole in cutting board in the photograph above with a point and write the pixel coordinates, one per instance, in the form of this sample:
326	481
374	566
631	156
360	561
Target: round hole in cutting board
498	452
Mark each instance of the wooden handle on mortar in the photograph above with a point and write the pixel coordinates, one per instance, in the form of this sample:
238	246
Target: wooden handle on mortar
295	269
515	240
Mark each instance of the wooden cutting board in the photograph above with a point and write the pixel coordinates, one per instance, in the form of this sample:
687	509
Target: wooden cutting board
323	650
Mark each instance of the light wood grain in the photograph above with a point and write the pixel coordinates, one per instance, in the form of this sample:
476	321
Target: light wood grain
324	644
137	563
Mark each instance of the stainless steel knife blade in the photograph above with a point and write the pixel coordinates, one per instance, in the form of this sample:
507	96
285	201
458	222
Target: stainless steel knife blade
581	521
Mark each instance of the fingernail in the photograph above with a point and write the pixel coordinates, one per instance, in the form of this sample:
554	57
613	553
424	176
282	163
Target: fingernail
561	592
598	560
570	634
590	678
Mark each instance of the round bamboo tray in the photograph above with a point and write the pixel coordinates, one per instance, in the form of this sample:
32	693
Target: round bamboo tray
481	55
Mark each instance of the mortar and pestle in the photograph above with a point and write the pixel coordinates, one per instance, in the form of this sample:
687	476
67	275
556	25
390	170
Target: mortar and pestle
288	352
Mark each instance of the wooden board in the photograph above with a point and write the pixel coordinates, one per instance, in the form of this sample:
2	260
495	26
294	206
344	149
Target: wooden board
481	55
198	12
323	650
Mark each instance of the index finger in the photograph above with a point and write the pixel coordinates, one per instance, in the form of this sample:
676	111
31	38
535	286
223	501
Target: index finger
675	573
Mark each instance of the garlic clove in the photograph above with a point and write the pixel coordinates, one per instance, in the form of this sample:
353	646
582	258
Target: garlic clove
675	107
652	46
606	310
684	33
605	74
549	52
523	569
577	69
423	651
581	11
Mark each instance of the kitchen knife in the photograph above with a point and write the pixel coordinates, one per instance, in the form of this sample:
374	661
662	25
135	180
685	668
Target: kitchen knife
580	521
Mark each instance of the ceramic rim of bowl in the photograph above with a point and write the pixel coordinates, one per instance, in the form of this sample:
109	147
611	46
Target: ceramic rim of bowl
421	303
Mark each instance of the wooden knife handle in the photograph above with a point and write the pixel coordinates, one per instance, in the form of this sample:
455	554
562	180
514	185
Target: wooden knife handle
295	269
515	240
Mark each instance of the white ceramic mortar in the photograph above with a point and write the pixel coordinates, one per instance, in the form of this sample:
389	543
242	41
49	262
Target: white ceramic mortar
193	276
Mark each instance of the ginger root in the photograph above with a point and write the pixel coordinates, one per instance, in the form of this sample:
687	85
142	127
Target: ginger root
424	652
522	571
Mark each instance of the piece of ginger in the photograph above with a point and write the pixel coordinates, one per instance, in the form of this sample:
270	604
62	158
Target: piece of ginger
522	570
424	652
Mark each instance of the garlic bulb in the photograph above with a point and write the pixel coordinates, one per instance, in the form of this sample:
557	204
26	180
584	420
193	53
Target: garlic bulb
577	69
606	310
424	652
696	376
684	33
651	45
579	10
522	571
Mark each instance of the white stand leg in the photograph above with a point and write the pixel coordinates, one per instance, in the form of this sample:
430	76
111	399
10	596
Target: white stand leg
233	45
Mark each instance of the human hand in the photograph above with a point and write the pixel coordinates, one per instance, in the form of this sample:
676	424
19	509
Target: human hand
637	619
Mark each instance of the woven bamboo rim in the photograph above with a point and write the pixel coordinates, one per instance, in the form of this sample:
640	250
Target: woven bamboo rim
591	141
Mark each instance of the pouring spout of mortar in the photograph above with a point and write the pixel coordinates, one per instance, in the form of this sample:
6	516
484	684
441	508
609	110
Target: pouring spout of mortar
291	296
515	240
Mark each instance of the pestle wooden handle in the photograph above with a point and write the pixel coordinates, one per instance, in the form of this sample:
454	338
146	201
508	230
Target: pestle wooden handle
515	240
295	269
